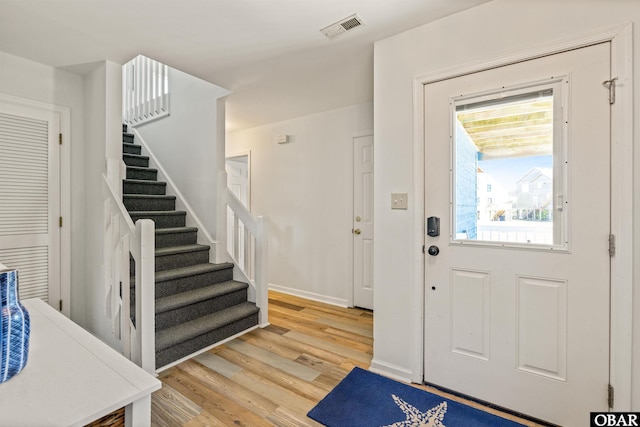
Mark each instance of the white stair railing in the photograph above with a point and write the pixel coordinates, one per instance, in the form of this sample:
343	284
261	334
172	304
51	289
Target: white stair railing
124	239
145	94
252	263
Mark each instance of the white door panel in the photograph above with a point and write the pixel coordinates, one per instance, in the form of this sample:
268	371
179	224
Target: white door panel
525	326
363	222
30	199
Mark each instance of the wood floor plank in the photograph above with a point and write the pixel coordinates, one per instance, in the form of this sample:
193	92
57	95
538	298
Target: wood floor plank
276	376
215	404
170	408
243	396
218	364
341	349
316	330
302	372
350	336
282	340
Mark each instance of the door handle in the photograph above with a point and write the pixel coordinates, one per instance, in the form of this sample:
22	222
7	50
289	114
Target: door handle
357	231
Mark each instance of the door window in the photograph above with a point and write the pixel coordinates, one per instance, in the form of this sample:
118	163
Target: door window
508	168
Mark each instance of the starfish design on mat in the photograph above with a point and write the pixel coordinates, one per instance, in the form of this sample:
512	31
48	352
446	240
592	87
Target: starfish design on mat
416	418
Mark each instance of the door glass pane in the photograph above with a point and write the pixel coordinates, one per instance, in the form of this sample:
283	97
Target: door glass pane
504	187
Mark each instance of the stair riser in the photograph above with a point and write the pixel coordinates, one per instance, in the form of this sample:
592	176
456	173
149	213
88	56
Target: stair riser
127	137
135	161
176	239
145	174
176	286
167	262
136	204
163	221
131	149
172	318
178	351
159	188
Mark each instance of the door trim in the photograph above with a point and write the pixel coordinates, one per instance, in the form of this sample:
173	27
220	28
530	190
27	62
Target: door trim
65	192
621	351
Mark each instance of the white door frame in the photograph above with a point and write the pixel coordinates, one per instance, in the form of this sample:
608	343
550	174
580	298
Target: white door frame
621	39
65	193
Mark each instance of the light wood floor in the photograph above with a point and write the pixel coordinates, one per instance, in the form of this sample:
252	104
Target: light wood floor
270	376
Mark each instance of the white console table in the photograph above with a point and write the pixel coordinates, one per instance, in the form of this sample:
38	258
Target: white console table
72	378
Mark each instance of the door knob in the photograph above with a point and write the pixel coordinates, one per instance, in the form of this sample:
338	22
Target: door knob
433	250
357	231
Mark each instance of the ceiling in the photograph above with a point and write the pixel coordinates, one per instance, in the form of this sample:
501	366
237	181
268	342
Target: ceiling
507	129
269	53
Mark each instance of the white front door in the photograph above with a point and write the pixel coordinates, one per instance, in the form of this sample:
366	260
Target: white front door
517	169
363	222
30	199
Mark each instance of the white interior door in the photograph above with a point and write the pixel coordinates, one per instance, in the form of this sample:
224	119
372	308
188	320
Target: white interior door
517	299
237	169
30	199
363	222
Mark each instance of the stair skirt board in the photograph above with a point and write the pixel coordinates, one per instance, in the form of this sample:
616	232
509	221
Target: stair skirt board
194	354
198	304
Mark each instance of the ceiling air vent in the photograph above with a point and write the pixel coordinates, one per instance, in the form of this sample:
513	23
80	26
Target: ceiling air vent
342	26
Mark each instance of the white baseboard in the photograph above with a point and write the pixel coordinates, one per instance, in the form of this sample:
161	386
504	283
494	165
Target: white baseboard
310	295
390	370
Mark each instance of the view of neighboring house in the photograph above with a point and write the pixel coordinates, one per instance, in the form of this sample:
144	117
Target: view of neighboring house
532	199
494	203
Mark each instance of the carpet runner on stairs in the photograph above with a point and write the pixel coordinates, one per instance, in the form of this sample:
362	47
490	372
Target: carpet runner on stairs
197	303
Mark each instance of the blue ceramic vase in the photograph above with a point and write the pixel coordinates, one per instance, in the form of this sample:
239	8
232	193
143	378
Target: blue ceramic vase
14	327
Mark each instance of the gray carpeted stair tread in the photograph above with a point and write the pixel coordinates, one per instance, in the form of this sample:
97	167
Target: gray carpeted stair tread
191	297
142	168
144	181
156	213
181	249
193	270
131	148
135	156
148	196
172	230
188	330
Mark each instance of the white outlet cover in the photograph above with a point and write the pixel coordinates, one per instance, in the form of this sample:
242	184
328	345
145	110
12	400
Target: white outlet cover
399	200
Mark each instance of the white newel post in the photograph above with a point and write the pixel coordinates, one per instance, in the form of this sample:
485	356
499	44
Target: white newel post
145	294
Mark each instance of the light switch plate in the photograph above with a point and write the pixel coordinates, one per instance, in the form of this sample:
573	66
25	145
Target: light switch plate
399	200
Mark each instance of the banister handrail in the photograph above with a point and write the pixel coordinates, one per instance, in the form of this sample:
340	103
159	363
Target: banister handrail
253	265
241	211
118	203
123	239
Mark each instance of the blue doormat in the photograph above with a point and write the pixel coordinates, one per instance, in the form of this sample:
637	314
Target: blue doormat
365	399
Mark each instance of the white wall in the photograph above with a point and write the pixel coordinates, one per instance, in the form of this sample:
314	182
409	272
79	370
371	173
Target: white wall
186	142
305	189
31	80
488	31
103	139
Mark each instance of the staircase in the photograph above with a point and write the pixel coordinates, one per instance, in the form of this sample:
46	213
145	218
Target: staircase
197	303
